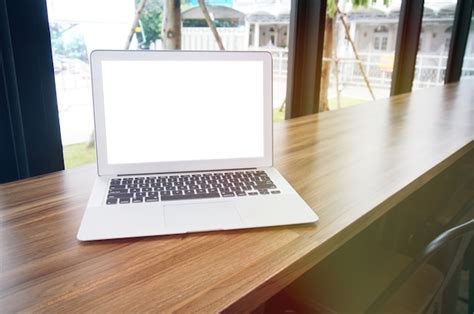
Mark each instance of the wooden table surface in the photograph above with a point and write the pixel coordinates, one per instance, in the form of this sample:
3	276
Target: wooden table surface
350	165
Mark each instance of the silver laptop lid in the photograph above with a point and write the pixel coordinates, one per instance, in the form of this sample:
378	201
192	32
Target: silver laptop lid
170	111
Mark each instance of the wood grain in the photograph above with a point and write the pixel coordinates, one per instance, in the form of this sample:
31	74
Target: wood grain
351	166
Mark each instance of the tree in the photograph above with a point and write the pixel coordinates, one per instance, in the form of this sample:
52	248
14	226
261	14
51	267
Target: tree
149	14
210	23
73	48
151	22
327	54
331	15
136	19
171	33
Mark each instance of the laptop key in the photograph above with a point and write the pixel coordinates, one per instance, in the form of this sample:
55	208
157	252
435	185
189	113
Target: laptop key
149	199
228	194
122	195
241	194
189	196
117	186
137	200
275	192
114	190
124	200
265	187
252	193
111	201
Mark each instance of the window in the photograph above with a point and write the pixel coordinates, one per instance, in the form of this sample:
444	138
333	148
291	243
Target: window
347	81
468	62
384	43
81	26
380	38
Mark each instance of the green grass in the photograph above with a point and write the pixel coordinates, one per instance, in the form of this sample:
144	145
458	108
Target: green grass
76	155
277	115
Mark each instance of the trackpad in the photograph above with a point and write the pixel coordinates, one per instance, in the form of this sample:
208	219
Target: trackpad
201	216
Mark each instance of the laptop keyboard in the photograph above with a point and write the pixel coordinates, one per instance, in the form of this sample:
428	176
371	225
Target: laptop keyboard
189	186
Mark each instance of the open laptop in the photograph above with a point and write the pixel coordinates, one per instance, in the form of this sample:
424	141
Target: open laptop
184	144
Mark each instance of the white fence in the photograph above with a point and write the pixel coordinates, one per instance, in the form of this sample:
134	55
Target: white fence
429	70
201	38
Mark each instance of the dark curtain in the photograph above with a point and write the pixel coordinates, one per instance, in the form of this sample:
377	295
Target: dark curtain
30	141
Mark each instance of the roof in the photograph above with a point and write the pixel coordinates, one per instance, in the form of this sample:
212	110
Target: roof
216	11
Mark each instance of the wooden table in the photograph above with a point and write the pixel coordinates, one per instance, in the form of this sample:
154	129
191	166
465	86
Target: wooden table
350	165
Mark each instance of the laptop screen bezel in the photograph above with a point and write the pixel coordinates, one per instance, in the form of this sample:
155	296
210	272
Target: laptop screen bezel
104	168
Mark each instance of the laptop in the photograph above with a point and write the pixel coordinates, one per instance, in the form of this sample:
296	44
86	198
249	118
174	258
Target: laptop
184	144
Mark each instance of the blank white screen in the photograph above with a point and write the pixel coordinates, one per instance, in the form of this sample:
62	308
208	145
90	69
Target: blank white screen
158	111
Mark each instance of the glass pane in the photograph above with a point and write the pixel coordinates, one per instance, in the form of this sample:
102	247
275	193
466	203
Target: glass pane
244	25
435	38
359	53
81	26
468	63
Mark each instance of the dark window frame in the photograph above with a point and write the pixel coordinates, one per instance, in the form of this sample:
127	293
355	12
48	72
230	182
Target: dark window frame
459	39
408	38
305	57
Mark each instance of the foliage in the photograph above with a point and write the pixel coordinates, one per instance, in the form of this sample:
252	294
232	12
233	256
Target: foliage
151	22
217	22
331	8
74	47
360	3
331	5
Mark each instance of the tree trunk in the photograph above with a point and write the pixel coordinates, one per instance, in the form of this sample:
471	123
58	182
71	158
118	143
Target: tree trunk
138	13
171	33
210	23
356	54
326	68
